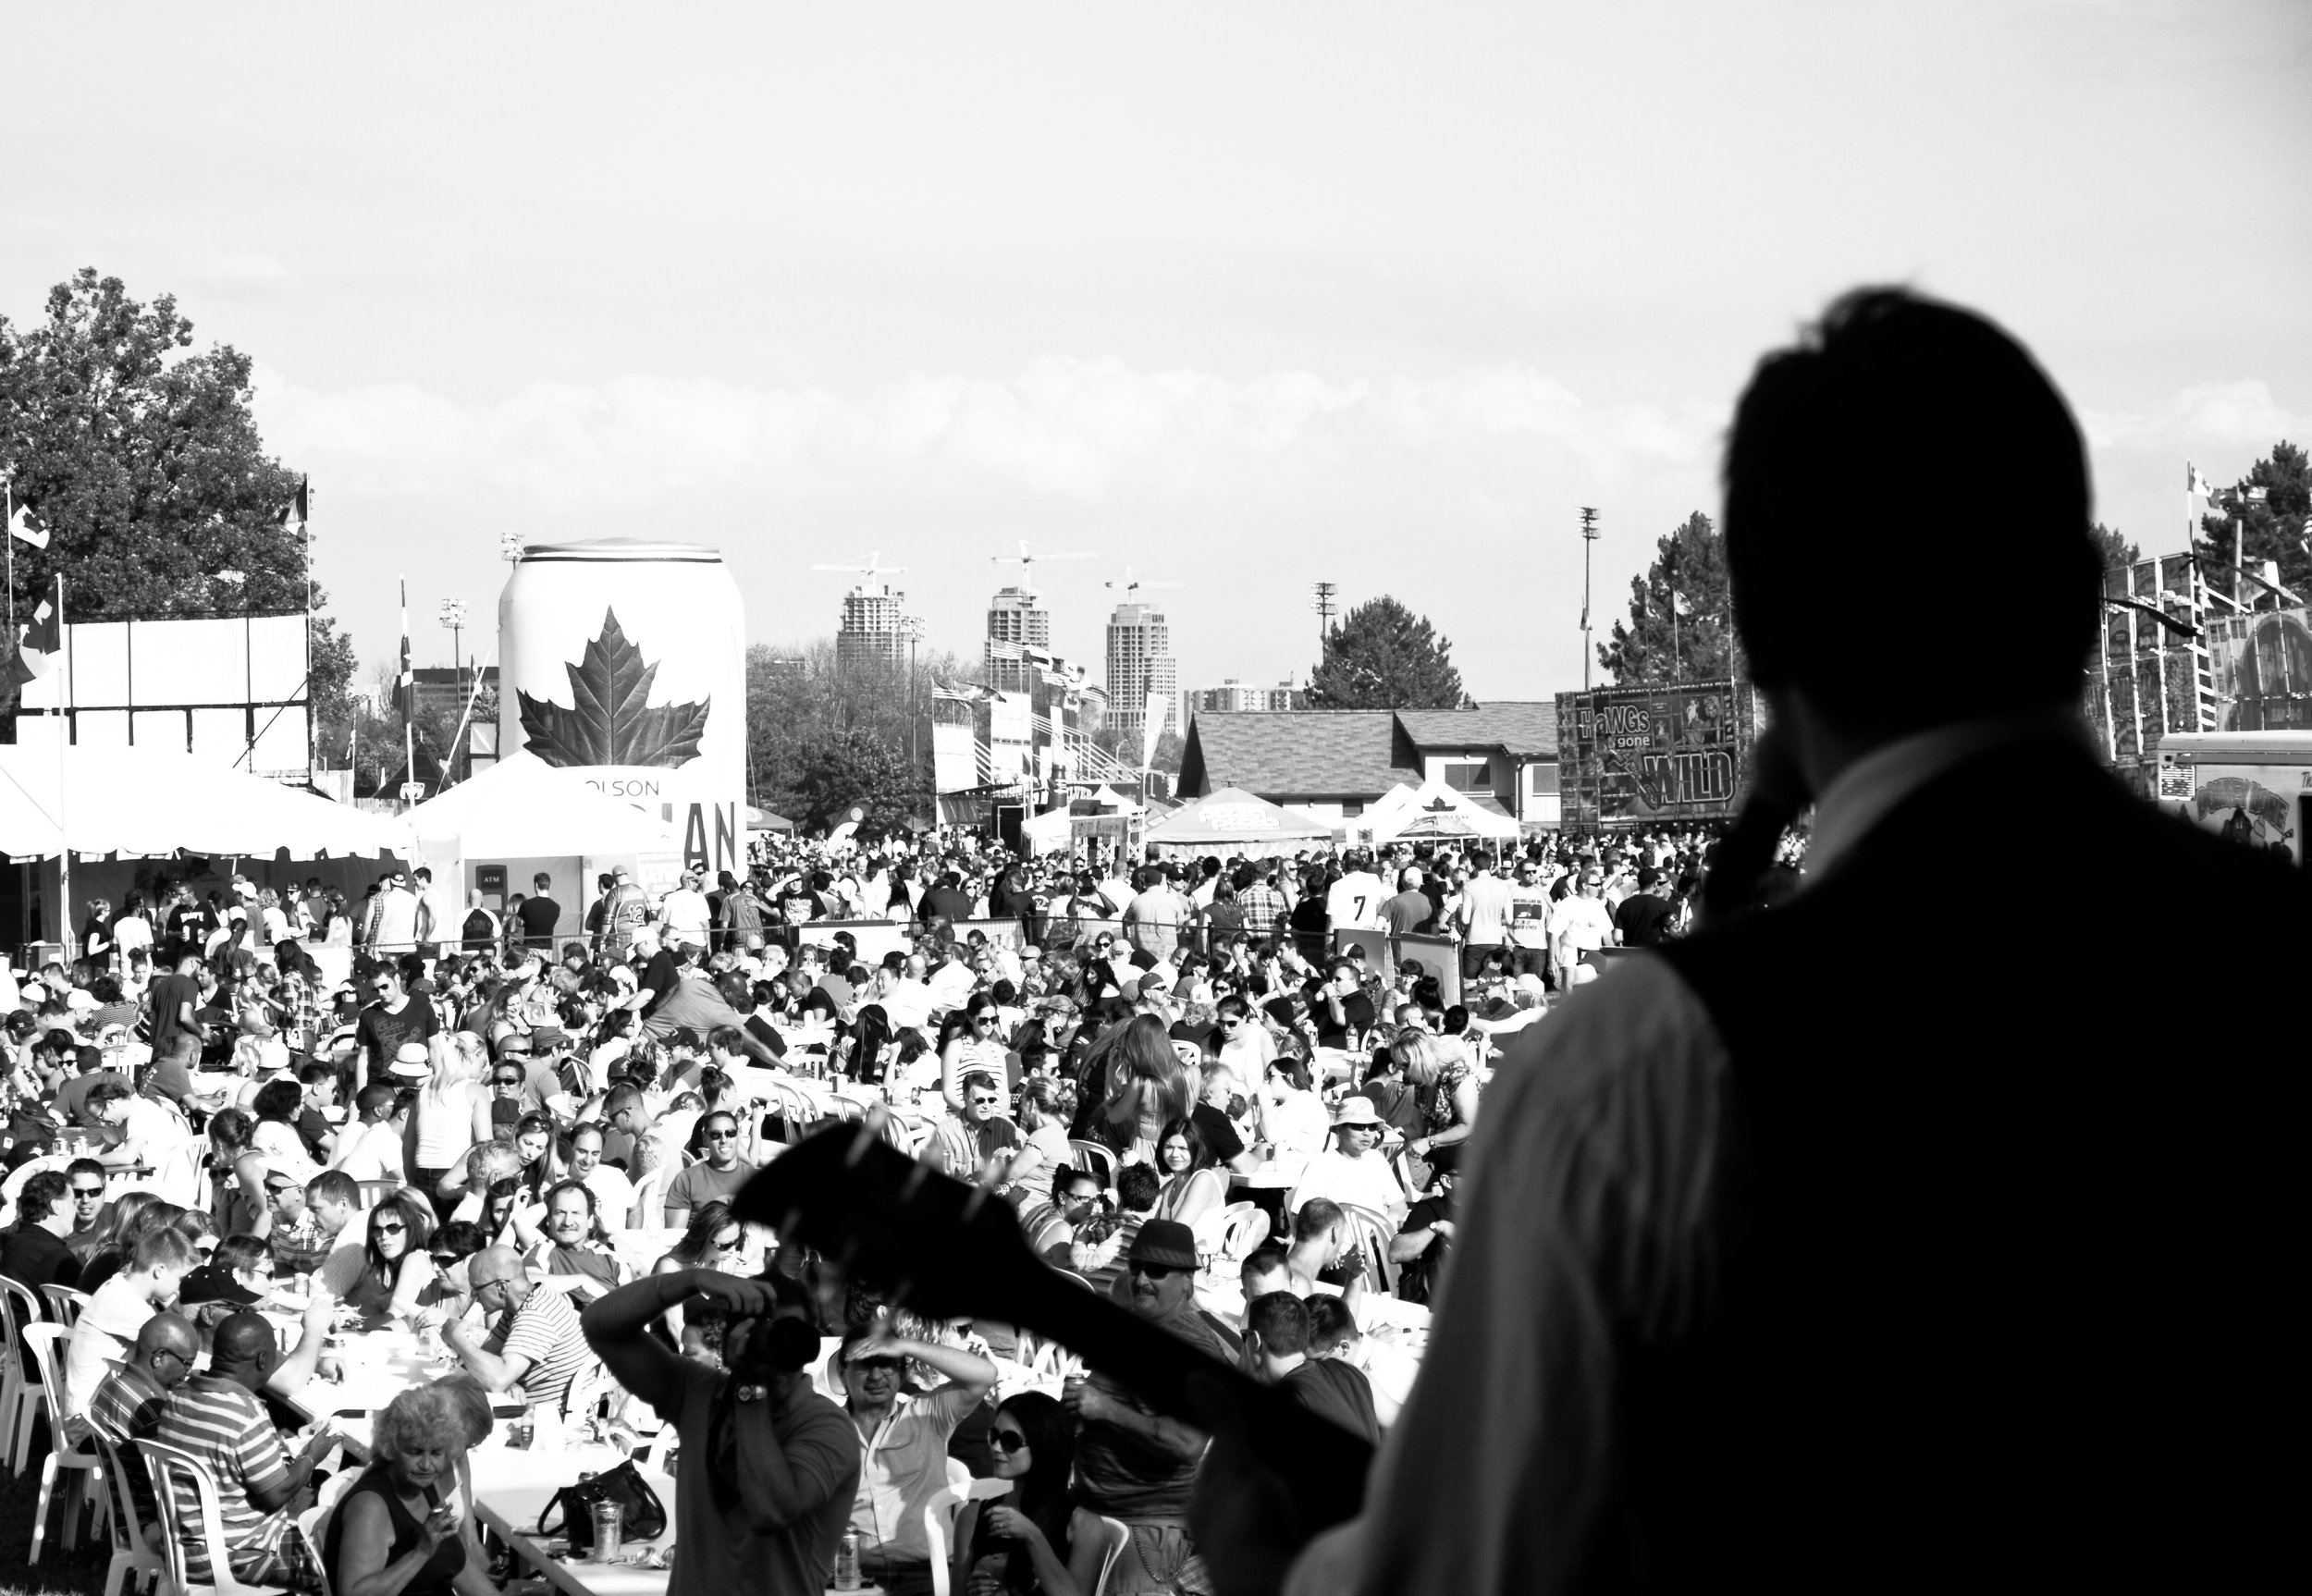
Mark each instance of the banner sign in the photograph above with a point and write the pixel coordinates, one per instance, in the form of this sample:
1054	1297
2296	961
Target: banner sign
1664	753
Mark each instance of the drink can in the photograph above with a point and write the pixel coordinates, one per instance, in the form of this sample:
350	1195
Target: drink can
846	1572
609	1521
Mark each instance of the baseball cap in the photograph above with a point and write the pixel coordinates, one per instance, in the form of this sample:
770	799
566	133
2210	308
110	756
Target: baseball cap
214	1282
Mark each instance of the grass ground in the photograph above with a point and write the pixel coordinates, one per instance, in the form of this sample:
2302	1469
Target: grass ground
80	1571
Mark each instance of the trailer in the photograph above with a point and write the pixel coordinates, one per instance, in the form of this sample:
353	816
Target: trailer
2251	787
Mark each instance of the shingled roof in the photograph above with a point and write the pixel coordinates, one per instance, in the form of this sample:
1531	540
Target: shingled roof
1522	730
1297	755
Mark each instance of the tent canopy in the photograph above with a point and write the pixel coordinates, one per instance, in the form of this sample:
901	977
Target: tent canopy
523	808
1455	815
765	820
151	800
1233	815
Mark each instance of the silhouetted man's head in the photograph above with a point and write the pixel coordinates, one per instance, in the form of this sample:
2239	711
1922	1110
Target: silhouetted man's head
1906	520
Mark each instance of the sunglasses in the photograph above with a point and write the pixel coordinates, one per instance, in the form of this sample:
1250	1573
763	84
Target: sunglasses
1154	1270
722	1136
1007	1440
87	1191
985	1102
505	1080
862	1365
389	1227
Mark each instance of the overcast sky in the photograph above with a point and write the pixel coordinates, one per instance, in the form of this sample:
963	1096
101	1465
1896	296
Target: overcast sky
1241	296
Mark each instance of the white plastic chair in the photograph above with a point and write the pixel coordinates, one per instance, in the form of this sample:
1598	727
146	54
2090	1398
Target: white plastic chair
170	1466
1094	1159
649	1209
1374	1232
20	1398
1243	1227
1119	1536
312	1525
939	1517
65	1303
133	1559
48	1342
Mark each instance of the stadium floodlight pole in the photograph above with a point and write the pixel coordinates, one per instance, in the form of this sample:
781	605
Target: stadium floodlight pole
1589	536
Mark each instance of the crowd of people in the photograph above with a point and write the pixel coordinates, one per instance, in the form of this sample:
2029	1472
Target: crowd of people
434	1140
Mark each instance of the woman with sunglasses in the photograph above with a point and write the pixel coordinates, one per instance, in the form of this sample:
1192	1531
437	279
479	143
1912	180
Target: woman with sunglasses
970	1041
715	1240
396	1266
1035	1538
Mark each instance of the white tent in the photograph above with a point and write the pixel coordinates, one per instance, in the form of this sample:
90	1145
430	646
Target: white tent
1402	806
148	802
1046	832
522	807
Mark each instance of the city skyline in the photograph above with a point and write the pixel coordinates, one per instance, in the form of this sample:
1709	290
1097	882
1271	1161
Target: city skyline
1175	288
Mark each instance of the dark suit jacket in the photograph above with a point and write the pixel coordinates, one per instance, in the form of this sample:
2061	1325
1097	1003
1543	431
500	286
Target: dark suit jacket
2011	1218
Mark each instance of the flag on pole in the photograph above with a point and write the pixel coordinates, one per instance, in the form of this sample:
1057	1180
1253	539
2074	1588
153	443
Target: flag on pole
2258	495
405	684
44	639
1679	602
295	516
20	529
2195	482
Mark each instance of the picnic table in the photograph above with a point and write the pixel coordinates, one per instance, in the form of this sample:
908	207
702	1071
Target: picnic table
512	1493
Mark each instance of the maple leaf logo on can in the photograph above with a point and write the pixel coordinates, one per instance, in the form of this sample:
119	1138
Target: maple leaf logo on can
610	720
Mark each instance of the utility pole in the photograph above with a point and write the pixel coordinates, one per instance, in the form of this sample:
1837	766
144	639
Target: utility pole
1589	536
1320	599
453	614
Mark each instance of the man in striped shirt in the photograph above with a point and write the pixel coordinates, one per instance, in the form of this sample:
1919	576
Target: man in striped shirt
537	1343
216	1419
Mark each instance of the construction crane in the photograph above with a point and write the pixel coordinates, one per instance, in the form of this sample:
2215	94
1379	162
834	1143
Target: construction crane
872	567
1025	559
1132	583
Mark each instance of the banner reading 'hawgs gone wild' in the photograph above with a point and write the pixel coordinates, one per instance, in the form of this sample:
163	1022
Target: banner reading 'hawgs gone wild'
1662	753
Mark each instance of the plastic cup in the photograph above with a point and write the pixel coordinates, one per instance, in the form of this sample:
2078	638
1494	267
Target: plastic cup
609	1523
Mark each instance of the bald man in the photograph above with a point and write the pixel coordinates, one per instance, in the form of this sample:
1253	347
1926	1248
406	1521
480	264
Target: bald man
534	1339
129	1402
244	1350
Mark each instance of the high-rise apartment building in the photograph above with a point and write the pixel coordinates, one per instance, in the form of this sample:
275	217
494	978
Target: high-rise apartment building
1017	623
1139	663
875	628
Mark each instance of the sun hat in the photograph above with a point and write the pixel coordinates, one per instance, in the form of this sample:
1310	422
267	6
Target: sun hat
1356	1112
411	1062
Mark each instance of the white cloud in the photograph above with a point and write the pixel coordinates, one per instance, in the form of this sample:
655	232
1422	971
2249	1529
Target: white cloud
2208	414
1067	430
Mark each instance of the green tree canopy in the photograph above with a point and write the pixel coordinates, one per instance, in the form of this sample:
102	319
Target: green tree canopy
2265	515
1382	655
837	771
799	701
143	466
2112	550
1689	571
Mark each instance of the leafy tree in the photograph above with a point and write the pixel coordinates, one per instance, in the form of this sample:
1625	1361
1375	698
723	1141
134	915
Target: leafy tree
837	770
1170	747
797	699
1688	572
1382	655
146	469
2112	550
2265	515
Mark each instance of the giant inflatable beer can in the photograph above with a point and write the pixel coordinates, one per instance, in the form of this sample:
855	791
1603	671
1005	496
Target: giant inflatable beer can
625	662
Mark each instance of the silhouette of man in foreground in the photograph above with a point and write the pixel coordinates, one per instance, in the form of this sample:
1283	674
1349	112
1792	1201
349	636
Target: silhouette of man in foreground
1903	1235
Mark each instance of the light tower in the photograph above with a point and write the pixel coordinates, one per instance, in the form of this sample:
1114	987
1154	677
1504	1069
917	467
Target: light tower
1589	537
